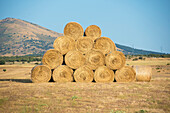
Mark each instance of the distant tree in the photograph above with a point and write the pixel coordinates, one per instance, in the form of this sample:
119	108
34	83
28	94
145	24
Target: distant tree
2	62
140	57
18	60
135	59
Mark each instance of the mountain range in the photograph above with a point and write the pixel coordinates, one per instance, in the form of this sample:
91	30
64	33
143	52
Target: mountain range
19	37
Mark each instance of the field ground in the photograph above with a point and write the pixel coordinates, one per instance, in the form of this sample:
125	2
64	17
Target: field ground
149	61
18	94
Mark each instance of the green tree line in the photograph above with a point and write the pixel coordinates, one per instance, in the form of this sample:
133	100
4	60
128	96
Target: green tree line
13	59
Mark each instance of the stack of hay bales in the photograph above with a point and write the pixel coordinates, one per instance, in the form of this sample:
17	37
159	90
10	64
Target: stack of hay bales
83	57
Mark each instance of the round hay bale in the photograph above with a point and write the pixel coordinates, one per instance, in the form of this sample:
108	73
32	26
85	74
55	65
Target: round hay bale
83	74
40	73
52	58
64	44
143	73
73	29
74	59
84	44
103	74
62	74
93	31
94	59
105	45
115	60
125	74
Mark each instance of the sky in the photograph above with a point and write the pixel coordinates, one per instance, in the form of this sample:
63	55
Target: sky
142	24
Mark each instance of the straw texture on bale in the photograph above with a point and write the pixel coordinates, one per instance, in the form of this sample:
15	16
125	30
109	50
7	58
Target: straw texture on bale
115	60
74	59
105	45
84	44
83	74
64	44
52	58
62	74
93	31
73	29
143	73
94	59
103	74
125	74
40	73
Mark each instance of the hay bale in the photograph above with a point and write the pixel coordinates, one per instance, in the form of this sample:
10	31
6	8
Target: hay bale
125	74
73	29
74	59
84	44
64	44
62	74
83	74
94	59
105	45
103	74
52	58
115	60
40	73
143	73
93	31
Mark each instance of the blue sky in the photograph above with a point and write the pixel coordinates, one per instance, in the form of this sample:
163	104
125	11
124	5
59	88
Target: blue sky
143	24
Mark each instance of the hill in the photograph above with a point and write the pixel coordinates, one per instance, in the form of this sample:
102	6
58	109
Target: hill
19	37
132	51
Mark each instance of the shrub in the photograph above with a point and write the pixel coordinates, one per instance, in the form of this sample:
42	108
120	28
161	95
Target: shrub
157	68
135	59
36	63
140	57
4	70
74	97
2	62
168	64
112	111
142	111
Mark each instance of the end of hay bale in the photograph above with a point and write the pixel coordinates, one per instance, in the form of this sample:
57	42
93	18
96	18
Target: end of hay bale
83	74
64	44
52	58
103	74
125	74
105	45
84	44
41	73
62	74
94	59
93	31
115	60
74	59
73	29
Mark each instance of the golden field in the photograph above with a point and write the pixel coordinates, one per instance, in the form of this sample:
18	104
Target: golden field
18	94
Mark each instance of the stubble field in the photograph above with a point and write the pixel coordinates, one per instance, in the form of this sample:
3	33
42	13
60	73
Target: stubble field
19	95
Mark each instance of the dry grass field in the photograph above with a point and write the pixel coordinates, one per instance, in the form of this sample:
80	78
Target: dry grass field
19	95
